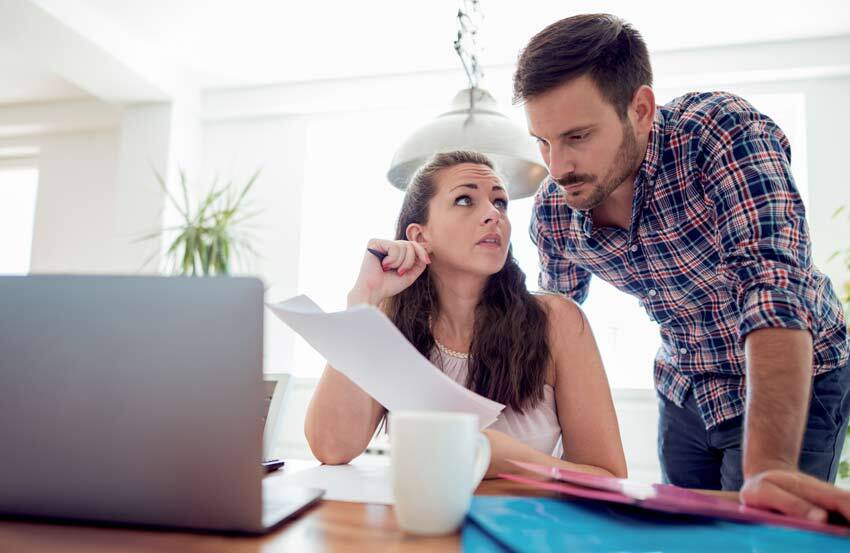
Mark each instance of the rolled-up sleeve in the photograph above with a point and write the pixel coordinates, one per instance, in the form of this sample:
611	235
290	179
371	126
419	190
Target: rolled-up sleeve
762	235
557	273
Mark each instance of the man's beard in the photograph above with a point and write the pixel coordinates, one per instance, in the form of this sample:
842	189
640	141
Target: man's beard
625	163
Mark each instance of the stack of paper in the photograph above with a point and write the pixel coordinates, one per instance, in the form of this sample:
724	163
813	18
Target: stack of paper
363	344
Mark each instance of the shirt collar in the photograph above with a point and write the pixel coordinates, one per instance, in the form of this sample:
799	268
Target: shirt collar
651	159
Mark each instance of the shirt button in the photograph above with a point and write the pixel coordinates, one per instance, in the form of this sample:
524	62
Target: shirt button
683	351
634	248
652	292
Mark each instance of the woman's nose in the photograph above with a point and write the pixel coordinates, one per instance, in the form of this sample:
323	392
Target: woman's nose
492	214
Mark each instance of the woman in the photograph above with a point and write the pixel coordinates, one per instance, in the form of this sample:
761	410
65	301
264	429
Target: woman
453	288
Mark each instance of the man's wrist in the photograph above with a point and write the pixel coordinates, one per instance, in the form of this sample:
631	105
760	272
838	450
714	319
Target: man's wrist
757	466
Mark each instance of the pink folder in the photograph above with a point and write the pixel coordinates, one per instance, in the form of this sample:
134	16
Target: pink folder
660	497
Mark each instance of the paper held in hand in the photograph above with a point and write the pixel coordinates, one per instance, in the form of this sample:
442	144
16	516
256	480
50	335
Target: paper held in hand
364	345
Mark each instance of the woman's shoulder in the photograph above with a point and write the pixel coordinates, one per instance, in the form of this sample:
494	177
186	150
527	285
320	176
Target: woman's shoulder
566	319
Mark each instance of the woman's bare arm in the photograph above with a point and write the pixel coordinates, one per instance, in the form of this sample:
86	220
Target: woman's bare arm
504	448
591	434
341	419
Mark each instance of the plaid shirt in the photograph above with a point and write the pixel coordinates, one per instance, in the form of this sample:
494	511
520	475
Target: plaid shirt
718	246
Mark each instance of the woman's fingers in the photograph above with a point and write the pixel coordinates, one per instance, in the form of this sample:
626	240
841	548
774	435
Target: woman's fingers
421	252
409	258
396	254
402	255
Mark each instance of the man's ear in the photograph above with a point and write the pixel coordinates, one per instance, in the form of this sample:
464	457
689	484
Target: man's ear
643	109
419	234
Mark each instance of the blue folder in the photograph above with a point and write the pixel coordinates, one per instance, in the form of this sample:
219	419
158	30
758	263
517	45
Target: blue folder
525	524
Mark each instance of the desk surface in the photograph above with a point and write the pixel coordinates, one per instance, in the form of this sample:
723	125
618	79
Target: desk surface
330	526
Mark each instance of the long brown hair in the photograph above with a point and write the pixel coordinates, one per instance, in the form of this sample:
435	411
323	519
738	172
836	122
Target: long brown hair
509	353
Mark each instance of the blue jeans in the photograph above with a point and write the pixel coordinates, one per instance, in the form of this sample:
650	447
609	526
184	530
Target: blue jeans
693	457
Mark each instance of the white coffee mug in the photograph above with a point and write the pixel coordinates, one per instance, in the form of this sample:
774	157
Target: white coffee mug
438	459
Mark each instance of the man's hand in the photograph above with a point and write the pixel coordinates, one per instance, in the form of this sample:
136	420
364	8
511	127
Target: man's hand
795	494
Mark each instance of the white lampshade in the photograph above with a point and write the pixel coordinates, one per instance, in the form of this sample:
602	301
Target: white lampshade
481	128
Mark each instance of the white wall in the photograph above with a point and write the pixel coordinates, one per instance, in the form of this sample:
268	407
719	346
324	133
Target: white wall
235	150
73	229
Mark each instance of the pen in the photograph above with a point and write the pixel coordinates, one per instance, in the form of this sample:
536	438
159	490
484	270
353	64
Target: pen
379	254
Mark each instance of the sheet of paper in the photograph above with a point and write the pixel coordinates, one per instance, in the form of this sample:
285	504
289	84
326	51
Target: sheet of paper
359	482
366	346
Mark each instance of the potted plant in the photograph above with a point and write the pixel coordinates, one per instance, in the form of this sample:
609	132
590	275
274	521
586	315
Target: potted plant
207	242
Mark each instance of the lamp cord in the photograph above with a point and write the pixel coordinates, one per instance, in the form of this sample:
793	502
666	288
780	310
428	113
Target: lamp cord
466	44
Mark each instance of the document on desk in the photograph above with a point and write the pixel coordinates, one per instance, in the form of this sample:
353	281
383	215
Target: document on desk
359	482
363	344
660	498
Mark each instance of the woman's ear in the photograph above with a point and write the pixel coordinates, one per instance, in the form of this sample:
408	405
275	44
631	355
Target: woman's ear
417	233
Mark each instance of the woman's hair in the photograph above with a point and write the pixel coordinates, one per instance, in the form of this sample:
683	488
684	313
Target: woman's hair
509	352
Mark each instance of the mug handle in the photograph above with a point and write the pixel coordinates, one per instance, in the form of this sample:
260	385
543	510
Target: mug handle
482	460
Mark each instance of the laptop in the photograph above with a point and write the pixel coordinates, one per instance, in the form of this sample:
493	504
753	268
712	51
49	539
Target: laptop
137	400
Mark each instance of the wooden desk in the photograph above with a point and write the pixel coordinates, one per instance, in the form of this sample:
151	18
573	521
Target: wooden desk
329	527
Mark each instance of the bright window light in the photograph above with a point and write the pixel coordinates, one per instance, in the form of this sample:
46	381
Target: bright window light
17	213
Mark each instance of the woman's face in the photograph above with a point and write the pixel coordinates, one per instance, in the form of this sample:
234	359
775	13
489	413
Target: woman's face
468	227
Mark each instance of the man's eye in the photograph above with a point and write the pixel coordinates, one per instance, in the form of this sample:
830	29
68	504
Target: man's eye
463	200
579	137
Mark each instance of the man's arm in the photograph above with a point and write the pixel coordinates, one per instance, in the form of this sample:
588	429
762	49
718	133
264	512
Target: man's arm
779	363
765	256
779	375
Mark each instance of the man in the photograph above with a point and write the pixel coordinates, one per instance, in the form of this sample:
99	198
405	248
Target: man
692	208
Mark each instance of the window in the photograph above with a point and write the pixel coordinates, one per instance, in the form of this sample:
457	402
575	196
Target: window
18	188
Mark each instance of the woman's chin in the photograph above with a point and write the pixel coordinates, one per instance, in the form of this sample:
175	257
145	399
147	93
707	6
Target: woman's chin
491	268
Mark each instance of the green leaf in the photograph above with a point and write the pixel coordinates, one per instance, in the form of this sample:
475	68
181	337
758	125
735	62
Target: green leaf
164	188
185	189
205	259
148	260
248	186
157	234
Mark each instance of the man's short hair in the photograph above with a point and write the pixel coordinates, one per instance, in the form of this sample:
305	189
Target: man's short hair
604	47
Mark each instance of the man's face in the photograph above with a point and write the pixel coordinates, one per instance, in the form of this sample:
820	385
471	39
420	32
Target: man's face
588	149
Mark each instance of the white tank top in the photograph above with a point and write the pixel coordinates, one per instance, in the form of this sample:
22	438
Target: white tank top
538	427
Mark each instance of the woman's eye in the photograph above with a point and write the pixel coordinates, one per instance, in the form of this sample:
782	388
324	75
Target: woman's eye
501	204
463	200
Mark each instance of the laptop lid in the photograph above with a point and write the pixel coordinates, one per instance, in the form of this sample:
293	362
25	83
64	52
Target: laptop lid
132	399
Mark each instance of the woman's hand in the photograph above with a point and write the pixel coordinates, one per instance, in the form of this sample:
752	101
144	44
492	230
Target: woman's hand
377	281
